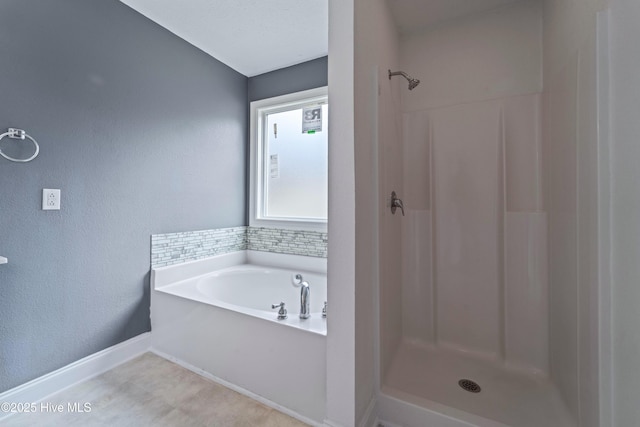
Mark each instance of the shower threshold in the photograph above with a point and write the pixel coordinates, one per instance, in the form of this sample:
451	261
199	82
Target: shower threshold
422	386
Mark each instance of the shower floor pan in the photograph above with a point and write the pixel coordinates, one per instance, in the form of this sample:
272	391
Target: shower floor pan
421	388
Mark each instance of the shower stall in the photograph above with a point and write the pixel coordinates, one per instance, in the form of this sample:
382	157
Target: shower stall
473	312
483	317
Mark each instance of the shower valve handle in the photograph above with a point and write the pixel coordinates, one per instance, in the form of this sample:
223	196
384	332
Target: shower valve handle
396	203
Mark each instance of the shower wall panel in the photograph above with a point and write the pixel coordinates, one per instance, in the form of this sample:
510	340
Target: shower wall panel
417	294
522	136
467	205
526	291
474	239
418	314
390	246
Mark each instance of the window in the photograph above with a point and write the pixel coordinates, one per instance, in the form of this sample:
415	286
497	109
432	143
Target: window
289	161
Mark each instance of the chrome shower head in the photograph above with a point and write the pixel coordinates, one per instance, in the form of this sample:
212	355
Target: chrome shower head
412	82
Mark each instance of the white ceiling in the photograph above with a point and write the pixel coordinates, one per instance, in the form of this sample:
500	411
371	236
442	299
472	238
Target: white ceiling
250	36
413	15
258	36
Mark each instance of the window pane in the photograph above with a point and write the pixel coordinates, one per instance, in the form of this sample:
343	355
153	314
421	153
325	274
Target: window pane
295	167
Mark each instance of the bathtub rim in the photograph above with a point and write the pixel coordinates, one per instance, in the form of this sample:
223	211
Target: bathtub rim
163	276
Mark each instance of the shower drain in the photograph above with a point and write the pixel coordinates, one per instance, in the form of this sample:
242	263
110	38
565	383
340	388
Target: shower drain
470	386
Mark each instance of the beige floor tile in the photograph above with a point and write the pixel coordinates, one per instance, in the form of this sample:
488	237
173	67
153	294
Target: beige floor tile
78	419
178	417
98	389
35	419
176	387
132	405
245	412
213	406
145	368
151	391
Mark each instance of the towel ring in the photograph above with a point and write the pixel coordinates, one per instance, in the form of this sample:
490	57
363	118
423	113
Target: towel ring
19	134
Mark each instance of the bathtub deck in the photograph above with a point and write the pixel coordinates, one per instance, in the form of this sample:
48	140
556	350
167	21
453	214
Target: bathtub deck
151	391
422	376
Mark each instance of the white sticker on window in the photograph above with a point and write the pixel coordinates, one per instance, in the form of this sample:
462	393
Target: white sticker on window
312	119
274	168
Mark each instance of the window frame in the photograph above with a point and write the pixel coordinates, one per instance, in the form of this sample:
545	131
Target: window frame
256	167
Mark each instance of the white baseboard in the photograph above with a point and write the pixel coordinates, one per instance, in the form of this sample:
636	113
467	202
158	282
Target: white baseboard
40	388
236	388
329	423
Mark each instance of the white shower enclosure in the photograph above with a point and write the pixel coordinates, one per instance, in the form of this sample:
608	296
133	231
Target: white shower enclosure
464	290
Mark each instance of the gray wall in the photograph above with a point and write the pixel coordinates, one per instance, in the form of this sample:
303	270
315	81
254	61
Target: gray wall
308	75
142	132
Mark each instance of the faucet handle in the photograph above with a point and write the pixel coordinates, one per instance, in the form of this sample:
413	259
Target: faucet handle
297	279
282	313
396	203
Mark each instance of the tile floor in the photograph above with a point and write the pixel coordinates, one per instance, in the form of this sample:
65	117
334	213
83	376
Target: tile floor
151	391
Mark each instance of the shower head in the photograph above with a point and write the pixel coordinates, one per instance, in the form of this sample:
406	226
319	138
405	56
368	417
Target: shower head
412	82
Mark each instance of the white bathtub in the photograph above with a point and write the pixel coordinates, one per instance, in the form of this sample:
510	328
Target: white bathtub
252	289
215	315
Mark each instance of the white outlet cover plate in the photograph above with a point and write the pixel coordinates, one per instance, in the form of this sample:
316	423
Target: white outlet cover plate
50	199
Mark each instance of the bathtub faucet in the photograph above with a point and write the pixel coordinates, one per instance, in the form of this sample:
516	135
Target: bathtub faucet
305	294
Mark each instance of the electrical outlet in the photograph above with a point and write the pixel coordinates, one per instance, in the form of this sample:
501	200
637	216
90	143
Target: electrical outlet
50	199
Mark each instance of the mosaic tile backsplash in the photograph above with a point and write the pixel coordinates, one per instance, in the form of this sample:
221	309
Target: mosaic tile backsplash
176	248
294	242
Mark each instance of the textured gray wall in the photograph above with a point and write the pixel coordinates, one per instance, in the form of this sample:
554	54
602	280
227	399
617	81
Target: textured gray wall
308	75
142	132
